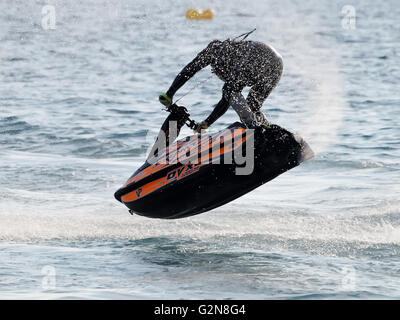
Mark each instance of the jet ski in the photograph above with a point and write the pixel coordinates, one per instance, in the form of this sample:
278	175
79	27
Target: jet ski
204	171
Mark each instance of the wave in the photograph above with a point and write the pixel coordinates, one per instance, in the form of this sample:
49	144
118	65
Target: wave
31	216
124	111
326	162
12	125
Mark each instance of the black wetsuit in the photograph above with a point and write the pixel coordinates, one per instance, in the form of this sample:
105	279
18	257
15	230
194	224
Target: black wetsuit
239	64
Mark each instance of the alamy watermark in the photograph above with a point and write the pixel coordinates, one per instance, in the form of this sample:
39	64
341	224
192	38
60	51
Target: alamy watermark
348	17
234	145
349	278
48	17
49	280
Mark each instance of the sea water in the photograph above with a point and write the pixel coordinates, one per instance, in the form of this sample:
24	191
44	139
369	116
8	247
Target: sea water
79	86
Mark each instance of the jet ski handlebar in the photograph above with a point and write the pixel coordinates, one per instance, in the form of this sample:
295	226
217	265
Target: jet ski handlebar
183	114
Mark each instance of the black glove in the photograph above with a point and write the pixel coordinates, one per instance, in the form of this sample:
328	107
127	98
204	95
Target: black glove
200	126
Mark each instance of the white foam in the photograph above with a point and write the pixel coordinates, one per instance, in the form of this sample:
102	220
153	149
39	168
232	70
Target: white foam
53	219
321	114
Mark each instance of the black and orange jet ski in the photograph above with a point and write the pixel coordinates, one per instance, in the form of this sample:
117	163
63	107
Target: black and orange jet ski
201	172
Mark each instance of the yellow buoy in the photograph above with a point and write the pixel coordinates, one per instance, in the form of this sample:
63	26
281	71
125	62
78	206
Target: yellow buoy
207	14
196	15
192	14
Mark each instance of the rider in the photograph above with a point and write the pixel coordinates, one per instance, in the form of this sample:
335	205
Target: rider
239	64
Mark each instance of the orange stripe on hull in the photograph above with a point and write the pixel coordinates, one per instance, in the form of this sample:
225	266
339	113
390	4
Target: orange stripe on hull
178	154
182	171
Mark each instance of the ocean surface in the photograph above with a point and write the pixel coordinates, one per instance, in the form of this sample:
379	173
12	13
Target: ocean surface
79	109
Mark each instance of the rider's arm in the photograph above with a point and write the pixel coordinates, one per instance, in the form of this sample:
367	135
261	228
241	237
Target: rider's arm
218	111
202	60
223	104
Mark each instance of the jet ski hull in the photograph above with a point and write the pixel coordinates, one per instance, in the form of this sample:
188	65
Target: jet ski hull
181	189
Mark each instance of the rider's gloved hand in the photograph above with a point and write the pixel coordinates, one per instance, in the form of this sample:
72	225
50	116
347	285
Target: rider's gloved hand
165	99
200	126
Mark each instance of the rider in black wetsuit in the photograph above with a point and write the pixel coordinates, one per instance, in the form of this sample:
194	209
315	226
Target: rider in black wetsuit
239	64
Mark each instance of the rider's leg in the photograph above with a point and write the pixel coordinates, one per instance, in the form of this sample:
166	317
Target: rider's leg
239	104
233	94
261	90
255	100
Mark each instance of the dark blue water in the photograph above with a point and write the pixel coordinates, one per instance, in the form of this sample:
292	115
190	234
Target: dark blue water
79	109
